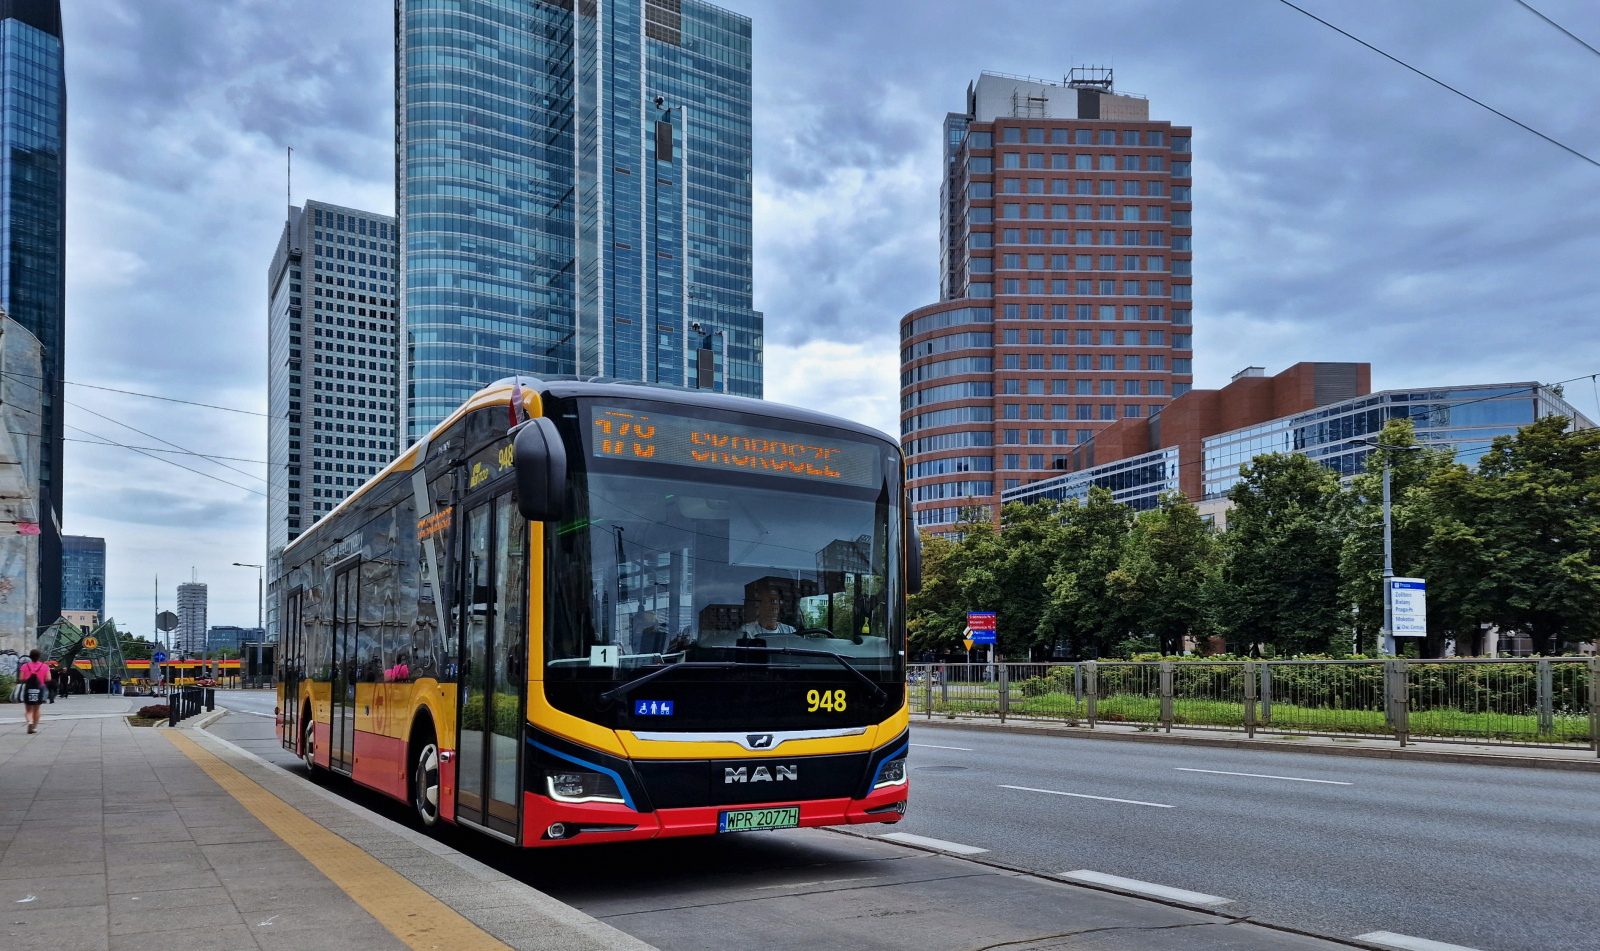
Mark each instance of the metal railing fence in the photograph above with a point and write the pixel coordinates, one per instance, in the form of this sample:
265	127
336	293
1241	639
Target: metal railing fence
1511	701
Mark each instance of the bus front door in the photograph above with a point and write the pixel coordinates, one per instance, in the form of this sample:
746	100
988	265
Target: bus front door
346	614
494	624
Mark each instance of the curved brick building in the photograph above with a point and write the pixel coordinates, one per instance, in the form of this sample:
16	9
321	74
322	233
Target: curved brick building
1065	286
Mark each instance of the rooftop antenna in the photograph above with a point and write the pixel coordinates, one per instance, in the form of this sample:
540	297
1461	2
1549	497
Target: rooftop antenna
288	183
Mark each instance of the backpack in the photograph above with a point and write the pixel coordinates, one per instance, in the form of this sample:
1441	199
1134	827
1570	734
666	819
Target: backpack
33	690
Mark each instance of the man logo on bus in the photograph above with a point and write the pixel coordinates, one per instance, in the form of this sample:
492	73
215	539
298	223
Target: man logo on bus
762	775
759	741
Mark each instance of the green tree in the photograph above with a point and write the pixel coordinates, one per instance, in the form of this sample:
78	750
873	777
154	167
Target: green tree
1081	610
1165	564
1279	582
1361	553
1521	532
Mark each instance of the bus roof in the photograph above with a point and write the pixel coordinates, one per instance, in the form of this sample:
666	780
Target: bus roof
566	387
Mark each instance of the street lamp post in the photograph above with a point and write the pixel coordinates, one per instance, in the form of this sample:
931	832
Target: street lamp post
260	572
1387	646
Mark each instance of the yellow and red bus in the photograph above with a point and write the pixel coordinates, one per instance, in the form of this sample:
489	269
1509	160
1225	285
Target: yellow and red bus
583	611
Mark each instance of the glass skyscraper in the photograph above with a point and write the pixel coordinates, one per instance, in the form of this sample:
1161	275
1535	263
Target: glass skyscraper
33	208
555	217
83	574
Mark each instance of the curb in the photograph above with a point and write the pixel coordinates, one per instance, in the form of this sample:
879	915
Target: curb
1437	756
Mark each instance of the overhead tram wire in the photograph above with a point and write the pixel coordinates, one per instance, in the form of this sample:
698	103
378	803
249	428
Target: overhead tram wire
109	442
181	452
169	442
150	396
1523	125
1579	40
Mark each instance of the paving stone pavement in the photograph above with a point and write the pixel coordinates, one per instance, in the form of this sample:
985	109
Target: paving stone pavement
112	839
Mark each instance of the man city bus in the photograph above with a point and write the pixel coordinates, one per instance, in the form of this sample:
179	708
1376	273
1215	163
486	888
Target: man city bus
580	611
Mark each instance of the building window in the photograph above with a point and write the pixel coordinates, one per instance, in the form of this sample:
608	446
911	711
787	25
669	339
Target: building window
1013	437
1158	338
1130	312
1178	389
1036	160
1182	365
1013	285
1011	262
1131	387
1060	236
1013	461
982	265
1012	362
1011	236
1036	436
1157	387
1011	387
1082	387
1011	186
1084	411
1108	338
1011	211
1130	338
1108	411
1012	411
1036	461
984	290
1083	312
1036	410
1080	361
1182	341
1108	387
1181	318
1132	411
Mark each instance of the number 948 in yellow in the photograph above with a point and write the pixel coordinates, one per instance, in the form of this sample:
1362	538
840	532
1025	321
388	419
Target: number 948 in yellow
831	700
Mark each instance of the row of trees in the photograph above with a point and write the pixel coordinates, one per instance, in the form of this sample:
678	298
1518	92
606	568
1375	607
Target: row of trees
1299	568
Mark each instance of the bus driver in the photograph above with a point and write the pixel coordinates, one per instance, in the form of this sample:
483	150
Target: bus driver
767	602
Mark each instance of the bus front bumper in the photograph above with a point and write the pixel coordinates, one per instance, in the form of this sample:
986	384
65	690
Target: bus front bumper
580	823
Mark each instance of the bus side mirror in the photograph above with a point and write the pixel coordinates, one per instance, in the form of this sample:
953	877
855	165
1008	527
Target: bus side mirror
540	459
914	561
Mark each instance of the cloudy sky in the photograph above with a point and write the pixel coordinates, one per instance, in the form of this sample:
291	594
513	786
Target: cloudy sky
1345	208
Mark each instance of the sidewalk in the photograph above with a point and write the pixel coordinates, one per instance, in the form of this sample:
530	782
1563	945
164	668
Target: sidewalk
121	838
1579	759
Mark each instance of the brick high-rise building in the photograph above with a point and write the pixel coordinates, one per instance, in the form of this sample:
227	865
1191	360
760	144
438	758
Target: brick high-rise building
1065	287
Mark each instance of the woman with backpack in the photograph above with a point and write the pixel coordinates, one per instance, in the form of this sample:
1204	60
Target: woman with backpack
33	676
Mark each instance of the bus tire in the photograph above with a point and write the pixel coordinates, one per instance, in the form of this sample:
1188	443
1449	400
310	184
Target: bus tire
425	776
308	741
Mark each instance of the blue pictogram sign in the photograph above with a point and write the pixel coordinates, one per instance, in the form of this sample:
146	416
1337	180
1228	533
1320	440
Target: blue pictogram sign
652	708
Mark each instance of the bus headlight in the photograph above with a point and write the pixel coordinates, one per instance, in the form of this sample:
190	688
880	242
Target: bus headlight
581	786
893	773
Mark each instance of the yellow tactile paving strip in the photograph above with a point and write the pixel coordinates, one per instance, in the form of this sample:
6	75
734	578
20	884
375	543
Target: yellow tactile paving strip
414	916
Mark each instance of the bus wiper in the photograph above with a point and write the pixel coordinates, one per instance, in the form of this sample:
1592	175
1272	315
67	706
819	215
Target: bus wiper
622	690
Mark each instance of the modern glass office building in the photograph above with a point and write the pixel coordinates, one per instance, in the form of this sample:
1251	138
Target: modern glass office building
83	574
1465	418
33	215
574	195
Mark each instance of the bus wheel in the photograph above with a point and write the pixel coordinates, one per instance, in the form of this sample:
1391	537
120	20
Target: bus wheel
308	742
425	782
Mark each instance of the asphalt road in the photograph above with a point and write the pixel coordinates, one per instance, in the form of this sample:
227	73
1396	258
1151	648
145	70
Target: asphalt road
1491	858
1486	857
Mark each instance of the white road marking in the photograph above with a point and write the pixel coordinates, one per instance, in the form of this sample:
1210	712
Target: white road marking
931	746
1077	795
939	844
1292	779
1144	888
1404	942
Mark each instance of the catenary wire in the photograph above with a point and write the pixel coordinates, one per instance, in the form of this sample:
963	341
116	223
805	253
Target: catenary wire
1558	26
1553	141
181	452
107	441
149	396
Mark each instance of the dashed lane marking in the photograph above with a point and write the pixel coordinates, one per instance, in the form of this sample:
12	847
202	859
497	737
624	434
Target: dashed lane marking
1405	942
417	918
1079	795
1143	888
1292	779
931	746
937	844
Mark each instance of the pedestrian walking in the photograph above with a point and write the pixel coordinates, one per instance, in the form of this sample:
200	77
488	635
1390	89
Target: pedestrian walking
33	676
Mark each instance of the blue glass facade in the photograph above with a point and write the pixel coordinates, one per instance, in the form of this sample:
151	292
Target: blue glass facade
540	232
83	574
33	130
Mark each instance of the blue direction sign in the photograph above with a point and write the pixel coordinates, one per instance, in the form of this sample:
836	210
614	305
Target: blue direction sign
981	624
159	657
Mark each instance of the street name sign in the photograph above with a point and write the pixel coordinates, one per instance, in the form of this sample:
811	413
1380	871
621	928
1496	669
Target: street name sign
1408	605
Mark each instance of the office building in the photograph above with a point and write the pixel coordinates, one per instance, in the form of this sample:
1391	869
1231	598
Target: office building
554	217
1065	297
83	574
21	404
1323	410
33	217
228	637
190	637
333	350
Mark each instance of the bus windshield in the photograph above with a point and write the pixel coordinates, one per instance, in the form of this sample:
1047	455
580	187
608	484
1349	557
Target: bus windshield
668	563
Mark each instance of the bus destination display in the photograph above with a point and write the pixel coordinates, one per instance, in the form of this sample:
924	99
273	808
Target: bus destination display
708	444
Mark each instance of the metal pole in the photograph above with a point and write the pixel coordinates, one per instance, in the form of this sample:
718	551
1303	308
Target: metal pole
1387	647
261	623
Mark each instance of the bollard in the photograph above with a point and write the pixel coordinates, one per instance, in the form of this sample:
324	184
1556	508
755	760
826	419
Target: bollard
1250	683
1593	665
1547	713
1165	688
211	699
172	709
1005	691
1399	699
1091	689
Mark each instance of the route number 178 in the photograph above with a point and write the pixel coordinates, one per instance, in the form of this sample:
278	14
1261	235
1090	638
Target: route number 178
832	700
